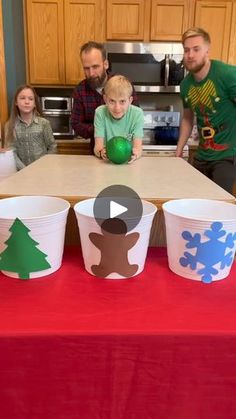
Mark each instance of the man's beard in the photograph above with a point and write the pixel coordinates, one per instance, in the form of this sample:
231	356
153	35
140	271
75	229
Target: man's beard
97	82
196	68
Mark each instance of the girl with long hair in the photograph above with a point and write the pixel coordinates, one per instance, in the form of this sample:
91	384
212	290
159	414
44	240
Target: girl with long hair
26	130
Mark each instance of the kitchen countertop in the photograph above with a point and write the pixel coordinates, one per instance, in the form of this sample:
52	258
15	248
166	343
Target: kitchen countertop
77	177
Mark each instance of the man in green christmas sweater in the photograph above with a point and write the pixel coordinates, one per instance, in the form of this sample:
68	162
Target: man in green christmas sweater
209	93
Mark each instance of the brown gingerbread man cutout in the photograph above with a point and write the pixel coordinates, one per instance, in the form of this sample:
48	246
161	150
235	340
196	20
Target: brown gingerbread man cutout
114	245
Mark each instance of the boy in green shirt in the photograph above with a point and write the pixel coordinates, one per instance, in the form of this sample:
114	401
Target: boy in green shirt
209	92
118	117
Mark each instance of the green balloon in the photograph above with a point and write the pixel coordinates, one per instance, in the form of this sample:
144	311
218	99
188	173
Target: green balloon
119	150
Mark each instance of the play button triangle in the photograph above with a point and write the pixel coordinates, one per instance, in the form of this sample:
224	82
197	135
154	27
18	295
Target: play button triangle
116	209
117	201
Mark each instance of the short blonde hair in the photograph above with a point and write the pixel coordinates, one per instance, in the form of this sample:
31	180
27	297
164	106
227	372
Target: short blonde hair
190	33
118	85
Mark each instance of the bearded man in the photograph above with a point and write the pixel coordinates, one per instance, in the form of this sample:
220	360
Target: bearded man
88	94
208	92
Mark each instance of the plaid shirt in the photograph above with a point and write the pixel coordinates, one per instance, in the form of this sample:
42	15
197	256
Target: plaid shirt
32	141
86	100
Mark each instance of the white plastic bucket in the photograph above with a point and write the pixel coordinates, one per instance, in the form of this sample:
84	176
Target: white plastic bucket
117	255
7	164
201	238
32	232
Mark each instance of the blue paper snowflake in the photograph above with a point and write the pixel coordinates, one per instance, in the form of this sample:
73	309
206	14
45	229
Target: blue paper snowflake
210	252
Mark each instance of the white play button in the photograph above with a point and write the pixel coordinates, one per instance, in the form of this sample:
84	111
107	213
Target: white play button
116	209
118	202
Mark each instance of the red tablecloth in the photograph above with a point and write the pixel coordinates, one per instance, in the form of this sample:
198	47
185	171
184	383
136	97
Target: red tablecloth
157	346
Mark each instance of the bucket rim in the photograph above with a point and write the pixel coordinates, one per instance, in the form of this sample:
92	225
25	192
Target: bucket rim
144	201
34	197
6	150
199	218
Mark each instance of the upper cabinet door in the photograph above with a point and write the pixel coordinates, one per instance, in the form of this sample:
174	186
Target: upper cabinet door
125	19
169	19
84	21
215	18
44	20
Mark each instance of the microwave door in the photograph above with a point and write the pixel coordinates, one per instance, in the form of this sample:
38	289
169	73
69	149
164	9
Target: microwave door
146	71
177	71
60	124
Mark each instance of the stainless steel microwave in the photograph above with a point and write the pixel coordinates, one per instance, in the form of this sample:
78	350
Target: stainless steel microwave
151	67
58	112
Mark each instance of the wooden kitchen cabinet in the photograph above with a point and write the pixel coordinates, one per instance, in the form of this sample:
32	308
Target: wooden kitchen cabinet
150	20
45	41
73	147
55	31
215	17
84	21
169	19
125	19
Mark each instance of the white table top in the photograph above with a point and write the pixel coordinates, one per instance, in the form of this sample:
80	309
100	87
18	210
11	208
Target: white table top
78	177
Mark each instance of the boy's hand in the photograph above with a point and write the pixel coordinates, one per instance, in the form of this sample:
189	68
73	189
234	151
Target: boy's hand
97	152
3	150
103	153
136	154
100	153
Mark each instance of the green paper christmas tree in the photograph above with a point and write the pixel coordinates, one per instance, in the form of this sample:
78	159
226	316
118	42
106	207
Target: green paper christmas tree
21	255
